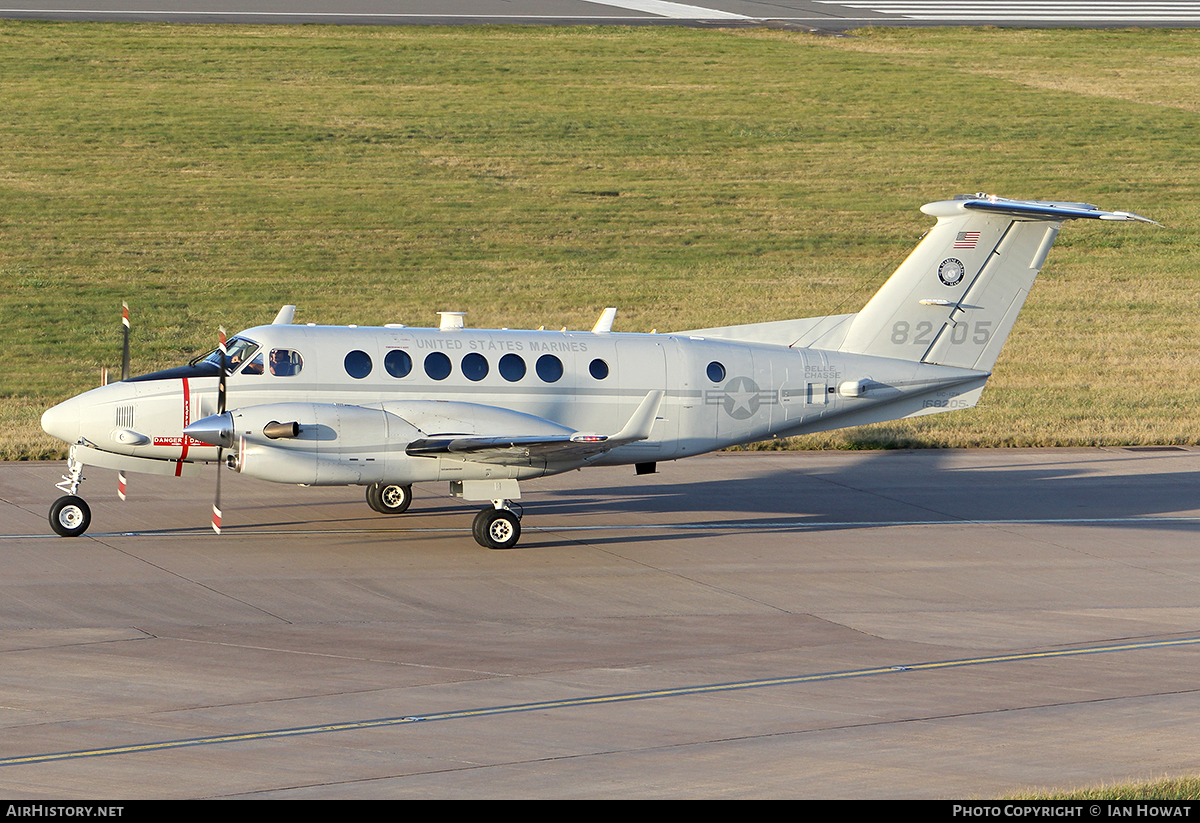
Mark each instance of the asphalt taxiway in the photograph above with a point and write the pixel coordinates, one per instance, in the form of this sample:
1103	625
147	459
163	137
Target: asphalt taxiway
825	15
844	625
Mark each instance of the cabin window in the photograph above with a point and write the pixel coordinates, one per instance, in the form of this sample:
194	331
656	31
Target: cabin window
716	372
398	363
437	365
512	367
286	362
358	364
549	368
475	366
598	369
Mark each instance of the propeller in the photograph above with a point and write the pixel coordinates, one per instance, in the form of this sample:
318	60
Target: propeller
221	391
124	340
122	483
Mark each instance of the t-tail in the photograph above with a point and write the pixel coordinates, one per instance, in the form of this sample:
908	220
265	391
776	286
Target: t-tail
955	299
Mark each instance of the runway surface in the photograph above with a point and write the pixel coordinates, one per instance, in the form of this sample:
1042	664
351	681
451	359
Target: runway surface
817	14
849	625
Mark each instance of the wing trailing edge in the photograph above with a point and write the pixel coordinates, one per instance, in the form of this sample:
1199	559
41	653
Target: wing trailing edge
551	448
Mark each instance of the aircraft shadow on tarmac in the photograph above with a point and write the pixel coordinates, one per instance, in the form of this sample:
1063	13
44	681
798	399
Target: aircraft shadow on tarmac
777	494
917	487
876	490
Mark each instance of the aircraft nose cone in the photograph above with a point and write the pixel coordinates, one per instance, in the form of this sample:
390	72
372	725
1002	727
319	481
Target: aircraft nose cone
215	430
62	421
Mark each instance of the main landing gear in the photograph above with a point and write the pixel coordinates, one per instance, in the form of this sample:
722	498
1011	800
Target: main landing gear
389	498
497	526
70	515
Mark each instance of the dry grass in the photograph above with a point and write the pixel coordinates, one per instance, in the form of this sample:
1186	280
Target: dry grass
1181	788
533	176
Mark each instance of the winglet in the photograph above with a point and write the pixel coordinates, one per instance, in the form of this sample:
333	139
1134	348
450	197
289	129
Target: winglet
639	426
605	323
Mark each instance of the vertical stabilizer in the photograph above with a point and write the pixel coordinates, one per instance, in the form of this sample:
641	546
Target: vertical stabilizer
956	298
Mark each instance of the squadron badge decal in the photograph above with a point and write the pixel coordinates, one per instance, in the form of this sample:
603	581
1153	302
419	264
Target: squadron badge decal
951	271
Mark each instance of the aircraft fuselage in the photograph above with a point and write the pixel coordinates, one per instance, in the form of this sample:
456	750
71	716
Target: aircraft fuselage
378	389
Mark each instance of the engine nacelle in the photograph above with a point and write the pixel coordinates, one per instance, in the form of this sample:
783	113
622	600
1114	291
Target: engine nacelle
322	444
330	444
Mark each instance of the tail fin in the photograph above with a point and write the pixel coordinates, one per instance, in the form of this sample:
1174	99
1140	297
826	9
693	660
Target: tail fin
955	299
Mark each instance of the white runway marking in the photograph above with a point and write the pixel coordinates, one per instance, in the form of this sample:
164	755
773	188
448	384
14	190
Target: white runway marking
1108	11
680	11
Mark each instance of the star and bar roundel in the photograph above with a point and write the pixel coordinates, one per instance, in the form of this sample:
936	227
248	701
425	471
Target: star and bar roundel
741	398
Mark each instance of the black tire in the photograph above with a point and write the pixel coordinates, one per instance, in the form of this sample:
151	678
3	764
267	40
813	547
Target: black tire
70	516
389	498
496	529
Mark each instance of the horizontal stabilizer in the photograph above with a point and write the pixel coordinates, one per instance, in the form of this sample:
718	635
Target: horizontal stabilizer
1046	211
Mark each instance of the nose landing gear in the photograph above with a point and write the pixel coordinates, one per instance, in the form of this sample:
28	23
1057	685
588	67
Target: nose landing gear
70	515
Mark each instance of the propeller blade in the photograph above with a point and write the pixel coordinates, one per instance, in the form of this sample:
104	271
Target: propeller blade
216	516
122	484
221	378
124	340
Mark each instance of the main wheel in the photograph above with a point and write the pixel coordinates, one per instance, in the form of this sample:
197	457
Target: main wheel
70	516
496	529
389	498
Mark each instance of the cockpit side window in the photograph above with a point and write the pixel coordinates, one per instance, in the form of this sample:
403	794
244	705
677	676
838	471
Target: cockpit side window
238	351
286	362
255	366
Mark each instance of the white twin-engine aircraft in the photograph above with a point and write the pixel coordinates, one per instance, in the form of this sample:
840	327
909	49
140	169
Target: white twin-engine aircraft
388	407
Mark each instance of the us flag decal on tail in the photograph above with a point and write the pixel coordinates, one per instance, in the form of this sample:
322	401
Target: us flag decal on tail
966	240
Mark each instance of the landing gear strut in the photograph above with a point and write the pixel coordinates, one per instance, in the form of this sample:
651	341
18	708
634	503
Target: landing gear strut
70	515
497	527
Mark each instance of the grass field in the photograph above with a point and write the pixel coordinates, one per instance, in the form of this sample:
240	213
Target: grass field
530	176
1181	788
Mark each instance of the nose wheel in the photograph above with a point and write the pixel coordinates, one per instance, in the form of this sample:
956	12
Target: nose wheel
70	516
497	528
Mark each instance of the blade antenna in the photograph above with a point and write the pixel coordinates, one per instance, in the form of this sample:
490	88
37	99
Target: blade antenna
224	354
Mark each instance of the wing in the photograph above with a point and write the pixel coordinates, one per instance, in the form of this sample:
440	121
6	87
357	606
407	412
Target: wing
551	448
